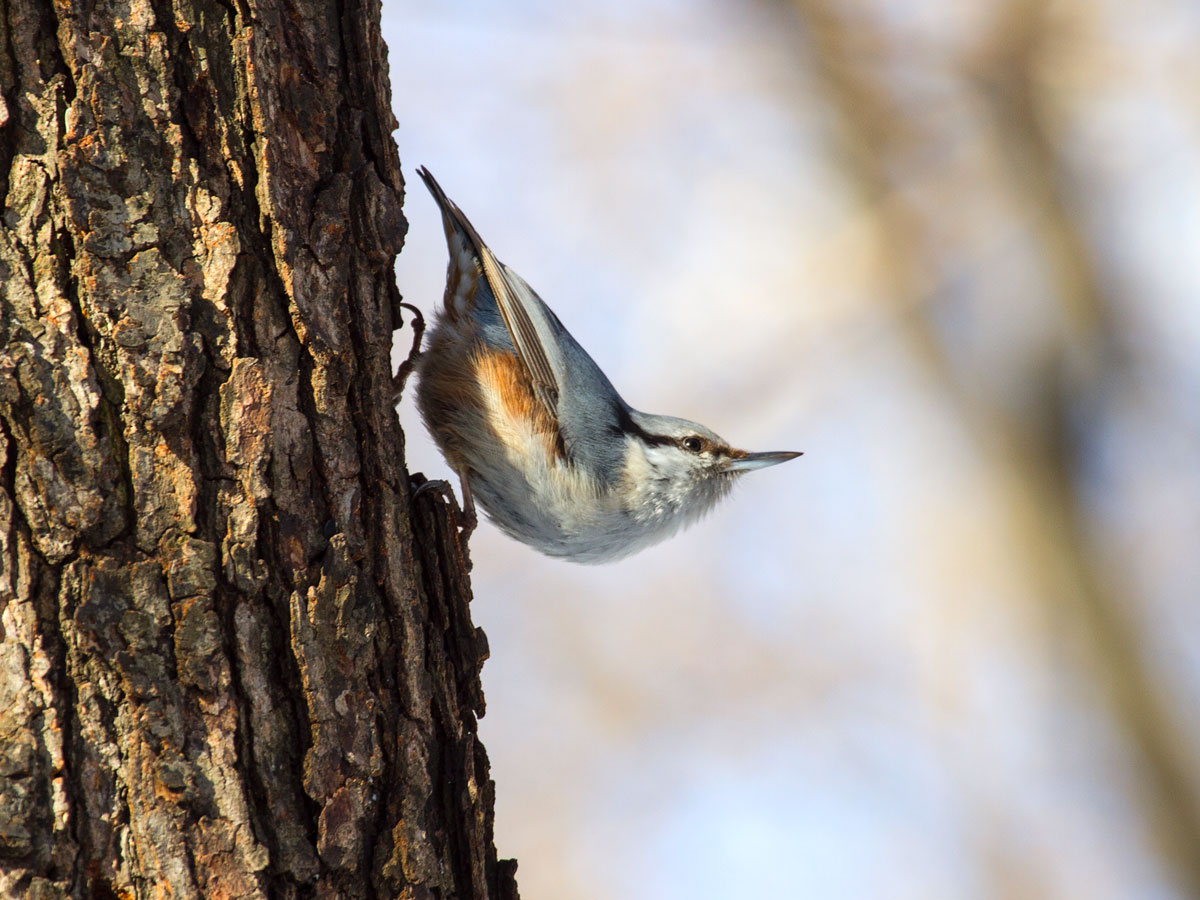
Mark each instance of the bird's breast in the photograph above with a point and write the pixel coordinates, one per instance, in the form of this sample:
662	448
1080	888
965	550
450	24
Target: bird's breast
479	406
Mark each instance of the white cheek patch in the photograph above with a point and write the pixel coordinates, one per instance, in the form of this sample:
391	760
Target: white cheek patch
648	496
637	466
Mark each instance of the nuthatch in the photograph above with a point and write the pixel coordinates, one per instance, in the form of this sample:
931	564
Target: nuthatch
538	434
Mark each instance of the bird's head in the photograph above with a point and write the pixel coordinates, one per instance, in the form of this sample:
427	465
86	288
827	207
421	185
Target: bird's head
678	470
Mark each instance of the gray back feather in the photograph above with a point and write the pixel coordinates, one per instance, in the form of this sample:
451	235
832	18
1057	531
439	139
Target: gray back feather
589	409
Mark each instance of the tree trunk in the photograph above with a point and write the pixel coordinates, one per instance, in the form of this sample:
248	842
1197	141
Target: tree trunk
236	660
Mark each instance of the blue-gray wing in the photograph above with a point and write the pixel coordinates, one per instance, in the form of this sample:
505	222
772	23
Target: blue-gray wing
565	380
588	409
524	316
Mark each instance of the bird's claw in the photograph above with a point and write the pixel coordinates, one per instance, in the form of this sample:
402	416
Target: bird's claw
414	354
466	518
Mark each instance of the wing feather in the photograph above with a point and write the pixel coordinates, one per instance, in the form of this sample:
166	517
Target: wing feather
511	300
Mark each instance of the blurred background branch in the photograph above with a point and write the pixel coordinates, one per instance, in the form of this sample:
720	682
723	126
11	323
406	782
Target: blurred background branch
896	148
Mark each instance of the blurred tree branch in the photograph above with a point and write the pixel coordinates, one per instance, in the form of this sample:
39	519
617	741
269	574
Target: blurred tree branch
894	150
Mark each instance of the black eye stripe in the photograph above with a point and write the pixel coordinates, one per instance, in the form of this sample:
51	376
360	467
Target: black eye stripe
626	425
692	443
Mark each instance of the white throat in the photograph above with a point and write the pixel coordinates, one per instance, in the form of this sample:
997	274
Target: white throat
664	491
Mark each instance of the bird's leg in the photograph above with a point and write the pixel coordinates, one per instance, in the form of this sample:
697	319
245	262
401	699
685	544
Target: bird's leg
464	515
468	518
406	368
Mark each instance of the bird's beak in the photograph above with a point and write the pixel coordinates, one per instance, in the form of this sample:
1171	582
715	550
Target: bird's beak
751	461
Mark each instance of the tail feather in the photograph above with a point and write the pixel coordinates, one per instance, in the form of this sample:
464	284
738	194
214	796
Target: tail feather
453	219
511	294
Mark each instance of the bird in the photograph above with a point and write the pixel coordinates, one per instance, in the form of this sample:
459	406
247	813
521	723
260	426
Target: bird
536	432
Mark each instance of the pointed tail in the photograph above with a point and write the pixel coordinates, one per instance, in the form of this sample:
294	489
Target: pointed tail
453	220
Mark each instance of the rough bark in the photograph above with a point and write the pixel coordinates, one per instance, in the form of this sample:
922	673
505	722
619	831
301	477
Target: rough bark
236	661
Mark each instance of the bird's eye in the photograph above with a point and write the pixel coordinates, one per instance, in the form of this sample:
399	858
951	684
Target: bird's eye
692	444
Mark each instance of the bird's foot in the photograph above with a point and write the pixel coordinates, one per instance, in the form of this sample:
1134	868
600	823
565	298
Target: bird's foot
410	362
464	515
